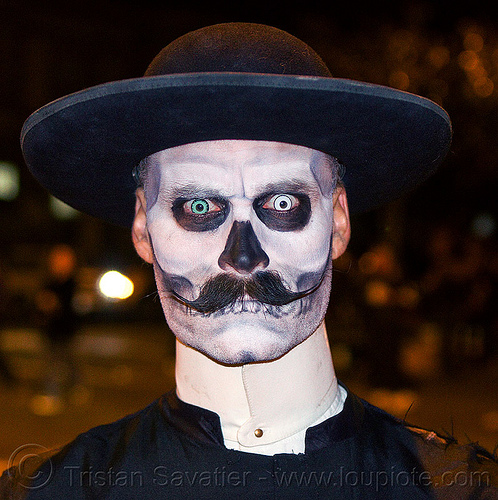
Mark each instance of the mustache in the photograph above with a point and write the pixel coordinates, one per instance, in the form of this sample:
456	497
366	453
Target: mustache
224	290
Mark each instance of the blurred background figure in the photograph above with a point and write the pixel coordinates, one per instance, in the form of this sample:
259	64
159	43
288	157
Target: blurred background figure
6	375
55	302
459	294
388	310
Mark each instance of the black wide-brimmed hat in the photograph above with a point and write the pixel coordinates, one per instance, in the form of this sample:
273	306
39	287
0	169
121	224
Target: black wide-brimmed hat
232	81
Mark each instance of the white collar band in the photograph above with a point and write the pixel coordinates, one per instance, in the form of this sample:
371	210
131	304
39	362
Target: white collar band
264	407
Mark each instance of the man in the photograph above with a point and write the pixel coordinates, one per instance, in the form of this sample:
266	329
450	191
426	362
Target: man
236	137
55	302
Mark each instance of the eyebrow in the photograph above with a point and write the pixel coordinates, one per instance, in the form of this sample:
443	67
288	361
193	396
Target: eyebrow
192	190
288	186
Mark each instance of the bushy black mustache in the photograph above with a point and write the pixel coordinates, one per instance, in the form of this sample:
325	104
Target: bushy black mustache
224	290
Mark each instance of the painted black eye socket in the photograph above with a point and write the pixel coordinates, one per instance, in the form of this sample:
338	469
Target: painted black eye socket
283	211
200	214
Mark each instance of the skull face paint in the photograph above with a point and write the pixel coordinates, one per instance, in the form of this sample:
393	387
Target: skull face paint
241	233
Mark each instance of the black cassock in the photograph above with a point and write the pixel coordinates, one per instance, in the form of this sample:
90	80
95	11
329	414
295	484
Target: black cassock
174	450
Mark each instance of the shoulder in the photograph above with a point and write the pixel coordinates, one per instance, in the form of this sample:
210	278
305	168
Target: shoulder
103	440
49	474
451	469
462	470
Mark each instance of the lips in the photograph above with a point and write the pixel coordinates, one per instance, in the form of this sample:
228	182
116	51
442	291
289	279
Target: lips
251	307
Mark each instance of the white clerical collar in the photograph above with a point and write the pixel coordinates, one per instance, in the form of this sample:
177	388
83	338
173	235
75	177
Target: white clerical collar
264	407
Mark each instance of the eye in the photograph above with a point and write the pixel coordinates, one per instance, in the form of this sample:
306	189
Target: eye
200	214
200	206
282	202
283	211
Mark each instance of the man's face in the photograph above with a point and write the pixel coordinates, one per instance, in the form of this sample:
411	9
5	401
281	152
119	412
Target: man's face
240	236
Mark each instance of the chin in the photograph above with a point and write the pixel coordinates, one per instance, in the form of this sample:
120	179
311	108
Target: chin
243	354
248	337
246	343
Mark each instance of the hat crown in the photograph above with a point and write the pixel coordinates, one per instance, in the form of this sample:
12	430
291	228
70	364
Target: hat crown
240	48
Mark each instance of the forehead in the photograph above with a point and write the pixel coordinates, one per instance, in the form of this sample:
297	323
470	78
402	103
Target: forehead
223	160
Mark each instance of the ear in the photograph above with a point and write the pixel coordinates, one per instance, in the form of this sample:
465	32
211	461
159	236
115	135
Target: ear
342	227
139	233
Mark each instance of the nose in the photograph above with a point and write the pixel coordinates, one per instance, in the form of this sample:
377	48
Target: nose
242	251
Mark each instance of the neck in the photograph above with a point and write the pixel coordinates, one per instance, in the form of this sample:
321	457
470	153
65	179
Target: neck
264	407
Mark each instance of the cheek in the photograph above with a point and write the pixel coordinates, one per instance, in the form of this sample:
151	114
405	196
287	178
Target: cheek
303	251
180	252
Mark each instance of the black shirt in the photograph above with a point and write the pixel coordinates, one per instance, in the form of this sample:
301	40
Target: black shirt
175	450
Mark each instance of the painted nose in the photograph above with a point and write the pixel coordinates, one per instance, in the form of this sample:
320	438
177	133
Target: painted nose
242	251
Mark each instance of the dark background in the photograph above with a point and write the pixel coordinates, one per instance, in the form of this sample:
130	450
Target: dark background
445	51
50	49
435	338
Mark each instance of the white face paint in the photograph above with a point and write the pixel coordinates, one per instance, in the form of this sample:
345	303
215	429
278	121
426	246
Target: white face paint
236	208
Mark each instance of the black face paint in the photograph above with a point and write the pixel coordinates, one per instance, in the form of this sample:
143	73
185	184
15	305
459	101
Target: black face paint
175	283
200	214
283	215
308	280
243	251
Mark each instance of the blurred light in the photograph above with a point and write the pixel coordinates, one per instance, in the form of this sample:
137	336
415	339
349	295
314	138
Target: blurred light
83	302
61	210
395	402
439	56
484	225
343	357
368	263
122	375
483	86
21	340
377	293
468	60
115	285
478	73
9	181
104	345
490	421
420	356
45	405
399	80
473	41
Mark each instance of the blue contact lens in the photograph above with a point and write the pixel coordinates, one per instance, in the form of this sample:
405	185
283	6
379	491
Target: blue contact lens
199	207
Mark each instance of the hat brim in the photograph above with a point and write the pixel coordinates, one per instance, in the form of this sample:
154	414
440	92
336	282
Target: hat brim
83	147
